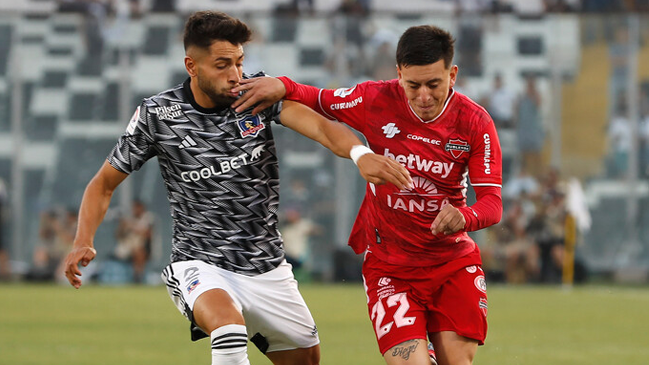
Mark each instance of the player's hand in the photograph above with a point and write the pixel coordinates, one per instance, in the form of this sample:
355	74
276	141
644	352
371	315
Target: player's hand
260	91
379	169
448	221
78	256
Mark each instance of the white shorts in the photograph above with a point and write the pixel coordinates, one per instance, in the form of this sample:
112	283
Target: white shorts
275	313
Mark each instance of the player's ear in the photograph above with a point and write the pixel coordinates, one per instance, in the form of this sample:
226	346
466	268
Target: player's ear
453	74
190	66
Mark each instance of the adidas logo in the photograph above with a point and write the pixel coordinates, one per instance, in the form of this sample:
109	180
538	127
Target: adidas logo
187	142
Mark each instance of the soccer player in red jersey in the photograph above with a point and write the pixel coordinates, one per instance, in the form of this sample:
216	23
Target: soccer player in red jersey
422	272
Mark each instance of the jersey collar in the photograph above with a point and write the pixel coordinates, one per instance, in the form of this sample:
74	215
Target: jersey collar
446	103
190	96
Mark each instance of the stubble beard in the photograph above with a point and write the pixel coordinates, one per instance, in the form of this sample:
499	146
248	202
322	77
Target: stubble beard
222	99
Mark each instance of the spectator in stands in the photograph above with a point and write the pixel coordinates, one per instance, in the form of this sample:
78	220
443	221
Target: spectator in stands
45	258
5	269
134	237
56	233
509	255
473	6
618	52
500	103
521	263
65	231
296	232
619	142
303	6
95	13
382	61
644	136
521	184
529	128
548	228
163	6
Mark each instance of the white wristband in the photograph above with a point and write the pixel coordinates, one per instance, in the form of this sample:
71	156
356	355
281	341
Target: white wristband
357	151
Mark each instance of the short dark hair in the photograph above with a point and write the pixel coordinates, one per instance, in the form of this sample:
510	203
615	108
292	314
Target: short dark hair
204	27
425	44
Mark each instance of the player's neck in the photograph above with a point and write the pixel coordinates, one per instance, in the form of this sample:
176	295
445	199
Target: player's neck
200	97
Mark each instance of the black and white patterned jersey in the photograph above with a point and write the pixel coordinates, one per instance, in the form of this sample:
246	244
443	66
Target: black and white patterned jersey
221	172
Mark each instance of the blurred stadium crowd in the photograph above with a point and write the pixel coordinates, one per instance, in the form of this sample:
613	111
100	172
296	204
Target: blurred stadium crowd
567	87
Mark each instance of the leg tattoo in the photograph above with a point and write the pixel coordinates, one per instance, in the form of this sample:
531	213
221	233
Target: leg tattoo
405	349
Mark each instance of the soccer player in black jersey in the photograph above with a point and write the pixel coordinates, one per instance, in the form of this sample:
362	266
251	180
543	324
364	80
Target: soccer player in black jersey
227	273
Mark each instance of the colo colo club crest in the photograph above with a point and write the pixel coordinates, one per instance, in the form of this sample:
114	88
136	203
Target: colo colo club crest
250	126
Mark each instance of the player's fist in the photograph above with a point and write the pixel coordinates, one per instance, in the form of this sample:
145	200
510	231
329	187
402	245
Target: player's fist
379	169
448	221
78	256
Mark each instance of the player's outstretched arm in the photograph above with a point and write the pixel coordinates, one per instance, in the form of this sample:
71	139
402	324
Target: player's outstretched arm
94	204
340	140
260	91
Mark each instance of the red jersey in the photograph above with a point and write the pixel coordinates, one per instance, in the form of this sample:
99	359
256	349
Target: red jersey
441	155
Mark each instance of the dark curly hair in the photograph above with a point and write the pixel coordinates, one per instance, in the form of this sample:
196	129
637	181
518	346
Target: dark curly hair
204	27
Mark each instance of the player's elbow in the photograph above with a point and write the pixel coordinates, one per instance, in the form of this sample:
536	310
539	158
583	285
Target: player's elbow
499	214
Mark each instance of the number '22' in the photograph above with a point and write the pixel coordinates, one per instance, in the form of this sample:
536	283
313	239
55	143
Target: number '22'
378	314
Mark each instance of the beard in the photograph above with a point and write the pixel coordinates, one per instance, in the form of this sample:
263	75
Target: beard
220	99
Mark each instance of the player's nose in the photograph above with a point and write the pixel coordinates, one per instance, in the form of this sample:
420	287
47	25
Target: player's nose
425	95
234	74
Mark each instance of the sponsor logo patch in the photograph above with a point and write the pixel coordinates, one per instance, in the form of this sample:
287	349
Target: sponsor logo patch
472	269
384	281
457	147
344	92
481	283
168	112
390	130
130	129
483	306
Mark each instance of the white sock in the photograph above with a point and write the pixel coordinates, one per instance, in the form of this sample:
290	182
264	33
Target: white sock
230	345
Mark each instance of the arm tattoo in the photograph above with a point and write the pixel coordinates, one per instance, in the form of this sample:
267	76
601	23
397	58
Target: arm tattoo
405	349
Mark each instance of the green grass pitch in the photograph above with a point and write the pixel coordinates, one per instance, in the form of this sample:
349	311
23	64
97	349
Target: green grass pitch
57	325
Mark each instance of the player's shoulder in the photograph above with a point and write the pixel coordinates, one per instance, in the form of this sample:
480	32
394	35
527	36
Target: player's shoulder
169	97
373	90
383	86
470	110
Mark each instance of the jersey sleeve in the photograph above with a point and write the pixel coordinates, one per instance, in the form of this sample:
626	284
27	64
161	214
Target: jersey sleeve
344	104
135	146
487	210
485	160
273	112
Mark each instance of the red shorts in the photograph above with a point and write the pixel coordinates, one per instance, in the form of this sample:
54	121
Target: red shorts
407	303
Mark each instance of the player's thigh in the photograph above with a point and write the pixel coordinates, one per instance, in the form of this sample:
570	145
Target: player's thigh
453	349
303	356
411	352
460	305
203	294
394	307
275	312
215	308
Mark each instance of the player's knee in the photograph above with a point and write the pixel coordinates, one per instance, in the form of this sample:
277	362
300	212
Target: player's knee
229	345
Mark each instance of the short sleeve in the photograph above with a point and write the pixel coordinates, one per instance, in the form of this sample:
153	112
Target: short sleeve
135	146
